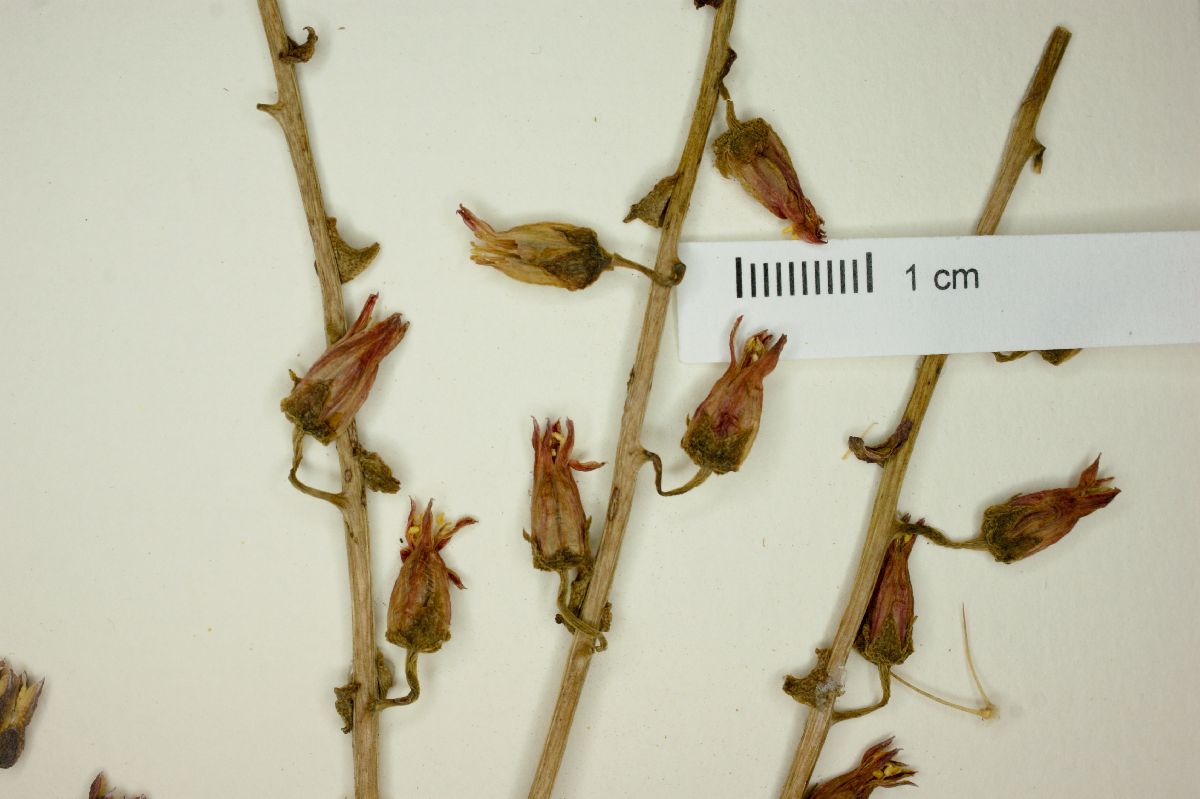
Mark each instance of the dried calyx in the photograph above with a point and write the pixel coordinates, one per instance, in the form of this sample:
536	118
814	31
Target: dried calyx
549	253
101	790
18	701
877	769
754	155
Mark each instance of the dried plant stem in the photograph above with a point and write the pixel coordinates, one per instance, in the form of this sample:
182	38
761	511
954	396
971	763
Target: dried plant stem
288	111
1021	146
629	457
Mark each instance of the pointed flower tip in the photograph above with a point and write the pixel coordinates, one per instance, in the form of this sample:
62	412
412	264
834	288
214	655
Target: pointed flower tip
323	403
1028	523
18	701
542	253
558	525
877	769
419	607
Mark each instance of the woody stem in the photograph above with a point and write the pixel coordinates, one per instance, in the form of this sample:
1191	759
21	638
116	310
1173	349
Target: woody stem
288	111
1021	146
702	474
628	458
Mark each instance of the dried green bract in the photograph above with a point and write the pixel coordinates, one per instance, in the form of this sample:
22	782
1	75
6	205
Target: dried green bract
1028	523
753	154
722	430
652	209
543	253
886	637
558	528
323	403
876	770
419	609
18	701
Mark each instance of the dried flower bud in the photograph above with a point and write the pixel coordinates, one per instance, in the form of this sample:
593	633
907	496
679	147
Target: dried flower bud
100	790
558	527
324	402
886	637
544	253
753	153
18	700
419	610
721	431
1028	523
876	770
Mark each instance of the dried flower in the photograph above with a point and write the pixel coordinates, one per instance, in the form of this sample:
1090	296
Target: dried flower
1028	523
721	431
544	253
18	700
419	609
753	153
876	770
558	527
886	637
100	790
324	402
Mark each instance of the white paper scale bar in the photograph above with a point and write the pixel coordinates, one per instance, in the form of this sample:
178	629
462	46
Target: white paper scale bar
856	297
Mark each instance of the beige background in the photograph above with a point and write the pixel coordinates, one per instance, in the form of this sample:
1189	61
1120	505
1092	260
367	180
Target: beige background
188	608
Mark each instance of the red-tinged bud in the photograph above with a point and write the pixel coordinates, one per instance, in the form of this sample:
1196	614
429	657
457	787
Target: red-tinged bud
558	526
1028	523
876	770
721	431
323	403
544	253
18	700
419	609
886	637
101	790
753	154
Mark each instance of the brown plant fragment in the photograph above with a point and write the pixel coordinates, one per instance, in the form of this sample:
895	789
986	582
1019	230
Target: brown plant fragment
1028	523
886	637
723	428
558	527
323	403
879	453
376	473
814	689
652	209
877	769
351	261
18	701
419	608
542	253
344	704
100	790
703	3
1052	357
753	154
299	53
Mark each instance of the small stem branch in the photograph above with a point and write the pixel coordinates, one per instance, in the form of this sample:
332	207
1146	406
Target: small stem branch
701	475
885	685
288	111
337	500
414	685
572	621
1022	145
629	458
673	279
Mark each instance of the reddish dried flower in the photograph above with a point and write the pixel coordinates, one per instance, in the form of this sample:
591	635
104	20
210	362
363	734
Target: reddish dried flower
558	527
721	431
18	700
419	609
324	402
876	770
544	253
753	153
1028	523
886	638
